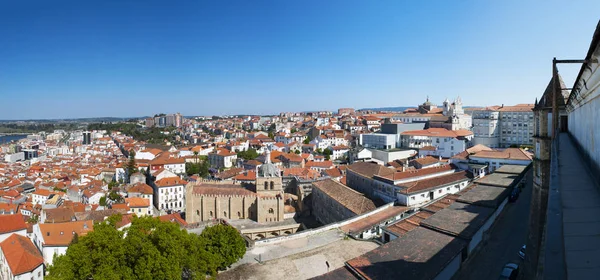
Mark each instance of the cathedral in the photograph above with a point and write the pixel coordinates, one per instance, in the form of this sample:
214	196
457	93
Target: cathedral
451	116
262	201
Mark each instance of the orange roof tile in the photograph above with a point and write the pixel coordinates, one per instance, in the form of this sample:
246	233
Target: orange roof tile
61	234
20	253
12	223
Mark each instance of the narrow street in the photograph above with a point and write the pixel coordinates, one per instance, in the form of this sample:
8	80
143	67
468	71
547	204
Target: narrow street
506	238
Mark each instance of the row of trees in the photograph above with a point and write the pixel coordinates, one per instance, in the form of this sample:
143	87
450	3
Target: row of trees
148	249
153	135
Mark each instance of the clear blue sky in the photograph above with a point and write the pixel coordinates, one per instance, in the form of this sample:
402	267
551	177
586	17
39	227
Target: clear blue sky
66	59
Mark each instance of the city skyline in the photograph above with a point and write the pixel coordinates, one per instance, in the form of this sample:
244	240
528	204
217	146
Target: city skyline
80	60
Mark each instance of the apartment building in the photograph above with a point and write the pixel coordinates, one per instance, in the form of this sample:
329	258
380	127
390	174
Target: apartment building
503	126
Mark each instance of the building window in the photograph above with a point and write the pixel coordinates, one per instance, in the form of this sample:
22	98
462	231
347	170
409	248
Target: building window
210	214
266	185
225	214
271	211
272	185
239	215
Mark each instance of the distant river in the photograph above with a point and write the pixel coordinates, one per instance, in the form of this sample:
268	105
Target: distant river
8	138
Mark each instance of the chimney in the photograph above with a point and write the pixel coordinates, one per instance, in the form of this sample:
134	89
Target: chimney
502	105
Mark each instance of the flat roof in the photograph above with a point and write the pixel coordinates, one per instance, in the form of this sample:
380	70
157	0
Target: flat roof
512	169
482	195
459	219
419	254
504	180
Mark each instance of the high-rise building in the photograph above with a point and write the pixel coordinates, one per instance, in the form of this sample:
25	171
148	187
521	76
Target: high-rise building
87	138
503	126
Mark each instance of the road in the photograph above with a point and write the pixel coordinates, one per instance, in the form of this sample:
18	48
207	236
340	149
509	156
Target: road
504	242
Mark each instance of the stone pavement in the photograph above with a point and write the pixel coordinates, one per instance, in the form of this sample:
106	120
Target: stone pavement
580	197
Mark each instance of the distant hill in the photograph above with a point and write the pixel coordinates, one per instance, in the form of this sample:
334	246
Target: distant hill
391	109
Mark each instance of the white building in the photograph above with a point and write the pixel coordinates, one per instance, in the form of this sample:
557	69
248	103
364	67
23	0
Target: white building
486	128
222	158
20	156
446	143
169	193
496	158
379	140
54	239
339	152
20	260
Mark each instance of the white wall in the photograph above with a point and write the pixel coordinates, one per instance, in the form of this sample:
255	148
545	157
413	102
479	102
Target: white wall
22	232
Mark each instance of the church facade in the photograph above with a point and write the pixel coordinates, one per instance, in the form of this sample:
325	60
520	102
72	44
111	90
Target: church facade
450	116
262	201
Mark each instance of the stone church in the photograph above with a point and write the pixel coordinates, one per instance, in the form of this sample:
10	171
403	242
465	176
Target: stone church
262	201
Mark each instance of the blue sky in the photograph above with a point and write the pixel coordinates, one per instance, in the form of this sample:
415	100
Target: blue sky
67	59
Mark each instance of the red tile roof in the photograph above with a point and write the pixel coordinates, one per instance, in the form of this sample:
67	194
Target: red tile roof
170	181
20	253
12	223
52	232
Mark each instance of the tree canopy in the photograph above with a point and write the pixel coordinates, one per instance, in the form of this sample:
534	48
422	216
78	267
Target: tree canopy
148	249
249	154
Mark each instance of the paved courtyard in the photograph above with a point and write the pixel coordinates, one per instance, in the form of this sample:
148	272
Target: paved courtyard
301	265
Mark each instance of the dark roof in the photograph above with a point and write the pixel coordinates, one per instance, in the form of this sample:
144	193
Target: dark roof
498	179
512	169
459	219
546	100
349	198
419	254
59	215
487	196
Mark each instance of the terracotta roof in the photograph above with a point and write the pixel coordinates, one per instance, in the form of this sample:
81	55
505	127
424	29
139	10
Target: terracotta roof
166	159
142	188
246	176
517	108
509	153
333	173
399	175
12	223
229	173
221	189
368	169
20	253
426	184
59	215
320	164
52	232
428	160
170	181
174	218
137	202
349	198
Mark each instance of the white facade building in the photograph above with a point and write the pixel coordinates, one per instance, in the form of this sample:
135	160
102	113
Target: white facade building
446	143
379	140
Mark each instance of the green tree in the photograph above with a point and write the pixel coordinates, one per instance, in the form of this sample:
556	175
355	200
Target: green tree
271	135
249	154
306	140
327	157
114	196
293	130
226	242
297	152
148	249
102	201
131	166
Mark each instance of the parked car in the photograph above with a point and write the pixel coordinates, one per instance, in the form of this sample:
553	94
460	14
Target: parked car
514	195
522	252
510	271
